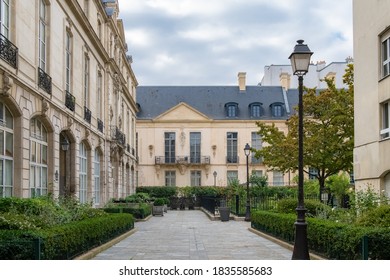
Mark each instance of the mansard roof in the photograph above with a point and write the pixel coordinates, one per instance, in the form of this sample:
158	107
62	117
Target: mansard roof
211	100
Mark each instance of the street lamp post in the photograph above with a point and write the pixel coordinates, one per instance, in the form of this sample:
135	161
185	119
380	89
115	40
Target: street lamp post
215	178
300	60
247	151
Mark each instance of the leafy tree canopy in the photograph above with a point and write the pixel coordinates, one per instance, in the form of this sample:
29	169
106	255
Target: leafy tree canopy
328	133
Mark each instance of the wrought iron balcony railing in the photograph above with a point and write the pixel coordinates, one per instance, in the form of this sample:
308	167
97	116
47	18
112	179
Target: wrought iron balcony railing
100	125
70	101
118	135
44	80
201	160
87	114
8	51
232	159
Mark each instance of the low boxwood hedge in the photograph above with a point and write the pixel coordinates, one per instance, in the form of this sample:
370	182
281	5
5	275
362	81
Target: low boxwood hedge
64	241
327	238
139	211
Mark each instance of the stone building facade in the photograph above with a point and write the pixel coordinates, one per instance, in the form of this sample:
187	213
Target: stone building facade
371	34
67	101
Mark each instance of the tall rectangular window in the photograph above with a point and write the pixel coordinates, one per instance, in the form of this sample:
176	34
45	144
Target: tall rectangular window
99	95
83	173
4	18
313	173
385	57
170	178
96	181
6	151
170	147
195	144
257	144
196	178
42	34
278	178
86	80
385	131
232	147
68	61
232	176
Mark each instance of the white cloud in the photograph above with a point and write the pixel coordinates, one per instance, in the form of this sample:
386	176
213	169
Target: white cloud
207	41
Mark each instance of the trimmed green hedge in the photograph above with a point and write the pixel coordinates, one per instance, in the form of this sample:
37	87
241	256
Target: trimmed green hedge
141	211
64	241
327	238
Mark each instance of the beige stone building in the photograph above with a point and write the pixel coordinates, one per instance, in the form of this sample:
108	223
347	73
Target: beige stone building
67	101
372	94
195	135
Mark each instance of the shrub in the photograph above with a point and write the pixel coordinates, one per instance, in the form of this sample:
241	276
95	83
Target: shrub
313	207
159	202
379	217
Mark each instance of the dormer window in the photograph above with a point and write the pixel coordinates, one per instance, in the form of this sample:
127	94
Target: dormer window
277	109
255	109
231	109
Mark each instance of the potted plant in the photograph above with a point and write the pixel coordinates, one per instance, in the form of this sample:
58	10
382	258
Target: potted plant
158	207
224	211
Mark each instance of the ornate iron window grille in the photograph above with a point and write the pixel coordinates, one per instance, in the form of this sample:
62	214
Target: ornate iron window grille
8	51
70	101
44	80
100	125
87	114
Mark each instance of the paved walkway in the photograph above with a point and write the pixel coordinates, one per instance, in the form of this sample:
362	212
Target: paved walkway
191	235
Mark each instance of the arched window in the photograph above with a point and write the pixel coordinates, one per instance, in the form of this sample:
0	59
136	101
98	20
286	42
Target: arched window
277	109
38	158
96	181
231	109
6	151
255	109
83	172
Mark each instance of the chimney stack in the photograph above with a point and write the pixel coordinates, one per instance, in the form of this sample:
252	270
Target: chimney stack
242	81
285	80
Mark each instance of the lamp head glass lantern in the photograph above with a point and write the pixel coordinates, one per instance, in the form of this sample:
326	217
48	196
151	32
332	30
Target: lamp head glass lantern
247	149
65	144
300	58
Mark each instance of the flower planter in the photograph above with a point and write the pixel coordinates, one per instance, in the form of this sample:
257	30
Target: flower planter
224	213
158	210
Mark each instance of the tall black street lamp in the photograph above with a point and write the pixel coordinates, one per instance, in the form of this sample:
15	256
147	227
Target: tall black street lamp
300	60
247	151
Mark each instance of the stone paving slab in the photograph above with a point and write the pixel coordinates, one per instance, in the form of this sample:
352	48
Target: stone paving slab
191	235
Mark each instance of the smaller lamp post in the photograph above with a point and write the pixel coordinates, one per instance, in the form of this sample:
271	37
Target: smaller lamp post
215	178
247	151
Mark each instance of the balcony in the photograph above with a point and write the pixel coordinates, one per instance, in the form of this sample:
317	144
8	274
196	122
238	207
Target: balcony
186	160
118	136
44	80
100	125
70	101
232	159
8	51
87	115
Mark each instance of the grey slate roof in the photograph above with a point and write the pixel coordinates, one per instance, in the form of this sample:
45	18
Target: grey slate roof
211	100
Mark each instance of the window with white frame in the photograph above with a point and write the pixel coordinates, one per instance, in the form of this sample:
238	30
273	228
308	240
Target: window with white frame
232	176
231	109
278	178
96	181
385	131
257	144
313	173
386	57
86	80
6	151
43	22
99	98
170	178
4	18
68	61
38	158
231	146
196	178
83	173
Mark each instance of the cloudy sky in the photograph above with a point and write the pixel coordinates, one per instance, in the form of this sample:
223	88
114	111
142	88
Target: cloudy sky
207	42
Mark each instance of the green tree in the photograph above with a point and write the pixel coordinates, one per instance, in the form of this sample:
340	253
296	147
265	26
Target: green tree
328	133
